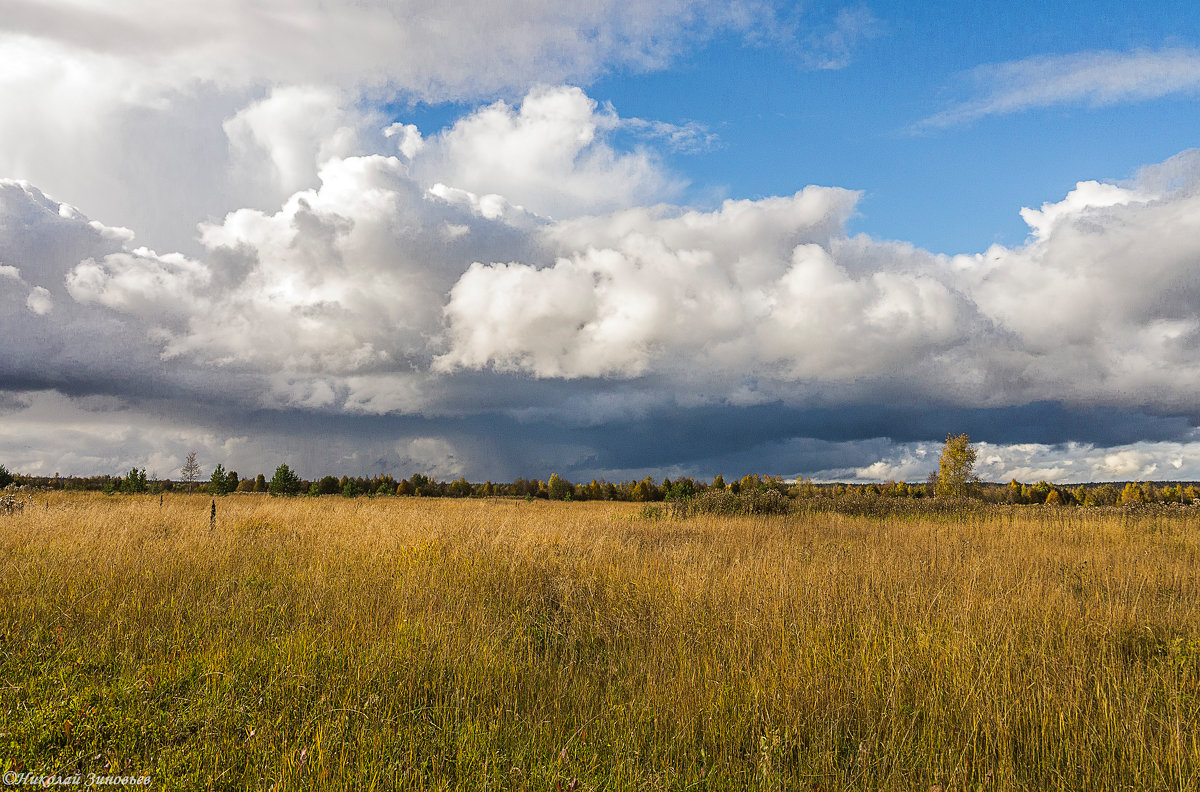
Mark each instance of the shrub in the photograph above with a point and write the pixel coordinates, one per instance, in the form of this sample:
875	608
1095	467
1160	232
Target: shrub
725	502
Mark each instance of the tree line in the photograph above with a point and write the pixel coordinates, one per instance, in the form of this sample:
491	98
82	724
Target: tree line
647	490
953	481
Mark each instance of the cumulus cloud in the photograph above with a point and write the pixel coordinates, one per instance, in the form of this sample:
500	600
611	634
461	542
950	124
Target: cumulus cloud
1099	306
1103	301
1095	79
39	301
1074	463
159	115
549	155
367	292
753	288
296	129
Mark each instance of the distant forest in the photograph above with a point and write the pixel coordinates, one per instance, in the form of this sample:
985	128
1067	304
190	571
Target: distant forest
751	488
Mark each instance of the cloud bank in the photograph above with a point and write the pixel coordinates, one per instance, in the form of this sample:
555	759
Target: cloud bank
390	289
217	234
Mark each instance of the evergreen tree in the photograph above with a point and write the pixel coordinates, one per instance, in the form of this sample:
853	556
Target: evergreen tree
134	482
218	483
285	482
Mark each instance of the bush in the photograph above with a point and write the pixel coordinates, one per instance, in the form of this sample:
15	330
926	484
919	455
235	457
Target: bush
725	502
6	478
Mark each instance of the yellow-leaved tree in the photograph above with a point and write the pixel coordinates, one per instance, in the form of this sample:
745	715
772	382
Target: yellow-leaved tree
956	467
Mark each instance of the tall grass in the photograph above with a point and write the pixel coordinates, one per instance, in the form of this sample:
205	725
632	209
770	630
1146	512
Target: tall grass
431	644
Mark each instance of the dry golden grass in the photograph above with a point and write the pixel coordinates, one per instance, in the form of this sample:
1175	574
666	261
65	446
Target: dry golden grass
462	644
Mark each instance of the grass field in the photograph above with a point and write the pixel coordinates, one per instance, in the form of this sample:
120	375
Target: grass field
480	644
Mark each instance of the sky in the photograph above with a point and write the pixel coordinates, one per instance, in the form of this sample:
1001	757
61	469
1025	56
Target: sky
600	239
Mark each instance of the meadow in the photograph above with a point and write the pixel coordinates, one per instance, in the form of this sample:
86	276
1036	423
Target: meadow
413	643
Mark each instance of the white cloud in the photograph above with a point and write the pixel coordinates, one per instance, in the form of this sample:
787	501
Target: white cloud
158	289
39	301
1102	301
641	290
52	433
548	155
343	278
297	129
1072	463
1086	195
912	463
409	140
121	106
1095	79
1097	307
428	49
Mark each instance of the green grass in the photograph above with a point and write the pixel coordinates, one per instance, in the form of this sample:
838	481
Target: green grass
421	644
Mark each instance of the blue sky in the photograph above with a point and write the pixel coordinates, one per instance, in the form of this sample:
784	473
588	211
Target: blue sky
781	121
509	238
954	189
